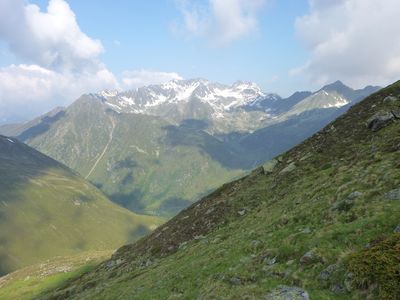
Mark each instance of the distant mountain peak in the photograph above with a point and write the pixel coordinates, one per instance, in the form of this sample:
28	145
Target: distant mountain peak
336	86
154	99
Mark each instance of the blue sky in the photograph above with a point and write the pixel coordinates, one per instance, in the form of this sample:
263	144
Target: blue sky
143	29
138	35
51	51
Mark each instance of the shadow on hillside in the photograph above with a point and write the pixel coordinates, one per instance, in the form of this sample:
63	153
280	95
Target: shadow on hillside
21	169
191	133
172	206
132	201
138	232
40	128
248	150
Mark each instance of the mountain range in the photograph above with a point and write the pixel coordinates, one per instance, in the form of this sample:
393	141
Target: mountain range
158	148
320	221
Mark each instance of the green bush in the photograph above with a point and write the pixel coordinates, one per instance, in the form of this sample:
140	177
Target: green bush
378	268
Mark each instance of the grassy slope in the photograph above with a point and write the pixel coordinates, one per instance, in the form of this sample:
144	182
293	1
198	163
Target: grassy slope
47	210
33	280
250	235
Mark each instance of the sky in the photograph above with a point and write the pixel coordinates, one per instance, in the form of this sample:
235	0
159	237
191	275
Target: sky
52	51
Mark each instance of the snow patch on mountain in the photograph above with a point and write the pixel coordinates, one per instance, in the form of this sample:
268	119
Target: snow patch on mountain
221	98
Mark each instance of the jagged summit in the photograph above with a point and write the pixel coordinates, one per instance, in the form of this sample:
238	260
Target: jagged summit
152	98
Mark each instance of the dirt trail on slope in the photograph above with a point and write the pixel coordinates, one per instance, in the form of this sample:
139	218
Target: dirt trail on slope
104	150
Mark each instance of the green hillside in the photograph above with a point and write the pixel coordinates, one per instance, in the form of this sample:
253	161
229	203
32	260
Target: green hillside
33	280
141	162
46	210
319	222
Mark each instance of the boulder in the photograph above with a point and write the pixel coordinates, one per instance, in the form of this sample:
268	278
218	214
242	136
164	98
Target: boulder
380	120
390	99
396	113
283	292
269	166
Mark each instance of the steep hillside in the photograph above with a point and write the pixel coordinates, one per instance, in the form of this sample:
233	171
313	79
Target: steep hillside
47	210
320	221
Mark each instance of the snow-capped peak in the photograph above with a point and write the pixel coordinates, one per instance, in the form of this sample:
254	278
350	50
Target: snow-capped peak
220	97
108	93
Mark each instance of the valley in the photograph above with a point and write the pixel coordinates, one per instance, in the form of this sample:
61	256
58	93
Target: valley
157	149
314	223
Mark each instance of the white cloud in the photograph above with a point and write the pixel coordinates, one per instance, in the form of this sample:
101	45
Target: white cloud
60	61
134	79
352	40
51	39
222	21
30	90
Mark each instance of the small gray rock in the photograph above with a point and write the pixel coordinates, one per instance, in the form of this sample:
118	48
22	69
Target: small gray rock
397	229
309	258
393	194
338	289
110	264
210	210
270	261
283	292
235	281
307	230
326	274
344	205
380	120
348	281
242	212
289	168
354	195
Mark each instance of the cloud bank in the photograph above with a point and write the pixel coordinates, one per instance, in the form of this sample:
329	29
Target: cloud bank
221	21
135	79
352	40
60	61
